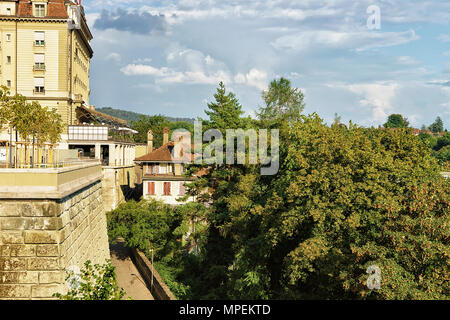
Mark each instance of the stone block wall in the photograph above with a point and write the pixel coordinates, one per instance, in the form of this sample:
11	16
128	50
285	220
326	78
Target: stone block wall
40	239
118	185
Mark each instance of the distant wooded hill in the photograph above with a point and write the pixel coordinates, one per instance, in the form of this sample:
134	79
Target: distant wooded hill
129	116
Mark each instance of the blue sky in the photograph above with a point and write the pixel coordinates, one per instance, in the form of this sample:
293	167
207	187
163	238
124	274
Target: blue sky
167	57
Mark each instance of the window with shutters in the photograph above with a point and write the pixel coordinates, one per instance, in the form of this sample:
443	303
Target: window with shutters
39	61
182	189
39	38
167	188
151	188
39	85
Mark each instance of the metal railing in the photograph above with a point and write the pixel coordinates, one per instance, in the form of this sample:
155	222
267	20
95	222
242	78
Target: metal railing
57	164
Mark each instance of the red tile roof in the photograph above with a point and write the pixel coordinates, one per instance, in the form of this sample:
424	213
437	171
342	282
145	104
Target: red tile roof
55	9
163	153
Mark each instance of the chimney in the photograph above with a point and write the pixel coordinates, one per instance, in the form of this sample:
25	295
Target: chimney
166	136
149	141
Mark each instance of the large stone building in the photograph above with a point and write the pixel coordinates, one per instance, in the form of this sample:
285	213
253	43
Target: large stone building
45	54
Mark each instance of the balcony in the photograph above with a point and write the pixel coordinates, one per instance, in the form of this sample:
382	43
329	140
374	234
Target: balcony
39	67
39	43
39	91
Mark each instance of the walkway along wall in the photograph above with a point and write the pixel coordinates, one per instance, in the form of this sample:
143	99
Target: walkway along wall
50	219
159	290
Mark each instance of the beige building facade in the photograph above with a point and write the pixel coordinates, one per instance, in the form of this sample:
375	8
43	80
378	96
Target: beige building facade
45	54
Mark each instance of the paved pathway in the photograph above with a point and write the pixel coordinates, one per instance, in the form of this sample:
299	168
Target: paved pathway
128	276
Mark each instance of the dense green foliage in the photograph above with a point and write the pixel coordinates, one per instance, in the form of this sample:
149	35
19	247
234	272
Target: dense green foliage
440	146
130	116
437	125
283	103
96	282
145	225
396	121
30	120
157	125
173	234
344	199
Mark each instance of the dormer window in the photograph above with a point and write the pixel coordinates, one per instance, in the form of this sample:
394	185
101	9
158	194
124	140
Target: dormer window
39	10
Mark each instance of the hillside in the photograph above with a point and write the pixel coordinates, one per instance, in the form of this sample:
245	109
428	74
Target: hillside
129	116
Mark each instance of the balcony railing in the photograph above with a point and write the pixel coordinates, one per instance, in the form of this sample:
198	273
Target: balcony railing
39	67
39	91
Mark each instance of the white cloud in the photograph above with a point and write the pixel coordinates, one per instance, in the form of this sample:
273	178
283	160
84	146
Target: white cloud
377	96
447	67
359	41
444	37
255	78
167	75
407	60
113	56
145	70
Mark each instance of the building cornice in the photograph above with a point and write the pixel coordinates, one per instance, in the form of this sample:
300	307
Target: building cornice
34	19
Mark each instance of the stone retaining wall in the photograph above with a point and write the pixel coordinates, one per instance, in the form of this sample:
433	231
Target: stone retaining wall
160	290
40	238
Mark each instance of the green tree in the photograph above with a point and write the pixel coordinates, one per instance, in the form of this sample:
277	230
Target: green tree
146	123
428	139
96	282
343	200
30	120
396	121
437	126
225	112
442	141
147	225
5	106
282	102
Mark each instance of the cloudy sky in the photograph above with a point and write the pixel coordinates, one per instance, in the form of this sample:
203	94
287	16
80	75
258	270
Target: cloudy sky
167	57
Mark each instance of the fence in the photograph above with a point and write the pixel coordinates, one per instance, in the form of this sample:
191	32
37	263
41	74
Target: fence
27	156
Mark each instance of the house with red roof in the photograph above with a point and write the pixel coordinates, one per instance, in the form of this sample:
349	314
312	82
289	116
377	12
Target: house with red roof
163	174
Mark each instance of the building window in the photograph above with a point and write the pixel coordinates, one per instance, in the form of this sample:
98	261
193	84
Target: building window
8	11
39	61
182	189
8	37
151	188
167	188
39	10
8	83
39	38
39	85
8	59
